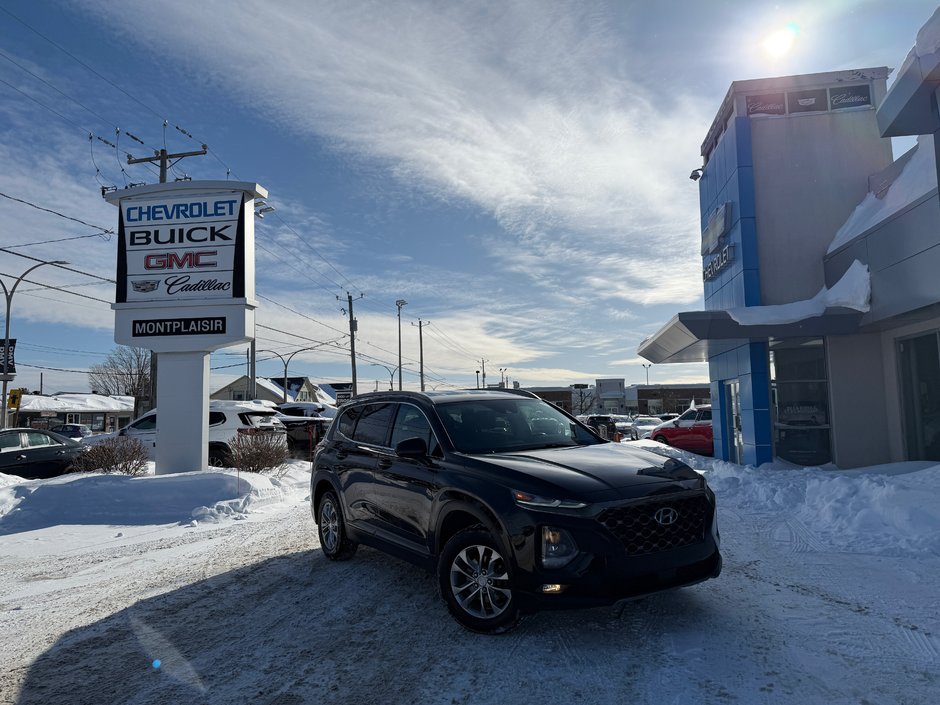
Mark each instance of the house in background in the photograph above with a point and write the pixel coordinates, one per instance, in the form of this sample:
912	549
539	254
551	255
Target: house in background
272	389
99	412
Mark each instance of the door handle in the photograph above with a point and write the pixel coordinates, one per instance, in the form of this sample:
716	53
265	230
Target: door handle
21	457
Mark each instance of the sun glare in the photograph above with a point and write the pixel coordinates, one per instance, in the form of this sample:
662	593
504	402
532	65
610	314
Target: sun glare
780	42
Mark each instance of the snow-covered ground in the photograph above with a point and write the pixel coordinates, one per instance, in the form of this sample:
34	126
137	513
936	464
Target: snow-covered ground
211	588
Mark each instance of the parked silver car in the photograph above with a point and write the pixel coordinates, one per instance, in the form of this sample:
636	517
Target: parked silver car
642	425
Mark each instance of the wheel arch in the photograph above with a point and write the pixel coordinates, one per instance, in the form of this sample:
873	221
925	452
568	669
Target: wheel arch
321	488
460	511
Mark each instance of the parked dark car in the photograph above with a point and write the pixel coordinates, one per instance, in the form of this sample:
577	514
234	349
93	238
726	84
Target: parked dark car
604	425
514	504
691	431
72	430
36	454
303	434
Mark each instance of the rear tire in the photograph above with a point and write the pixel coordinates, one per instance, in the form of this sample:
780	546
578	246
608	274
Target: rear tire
219	457
332	529
662	439
475	581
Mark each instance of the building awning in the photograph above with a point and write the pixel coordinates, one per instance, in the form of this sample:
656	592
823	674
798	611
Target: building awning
695	336
909	108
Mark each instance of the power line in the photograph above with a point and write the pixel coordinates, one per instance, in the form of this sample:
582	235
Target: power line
302	315
56	288
107	231
58	266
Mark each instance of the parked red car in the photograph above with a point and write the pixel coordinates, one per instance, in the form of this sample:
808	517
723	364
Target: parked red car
692	431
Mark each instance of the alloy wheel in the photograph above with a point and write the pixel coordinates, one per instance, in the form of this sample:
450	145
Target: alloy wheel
479	582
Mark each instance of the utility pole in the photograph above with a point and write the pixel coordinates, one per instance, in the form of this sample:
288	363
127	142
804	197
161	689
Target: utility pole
483	367
399	304
353	327
164	158
252	371
421	325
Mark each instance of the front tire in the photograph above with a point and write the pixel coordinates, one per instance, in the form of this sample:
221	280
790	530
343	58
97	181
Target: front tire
662	439
332	529
475	580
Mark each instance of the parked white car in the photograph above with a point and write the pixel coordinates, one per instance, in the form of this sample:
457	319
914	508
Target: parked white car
226	420
642	425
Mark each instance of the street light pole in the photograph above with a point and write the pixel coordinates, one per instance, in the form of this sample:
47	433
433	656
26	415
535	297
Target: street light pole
287	362
399	304
8	294
478	379
647	368
391	374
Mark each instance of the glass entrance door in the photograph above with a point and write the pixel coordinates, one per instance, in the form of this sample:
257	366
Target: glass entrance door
920	393
734	437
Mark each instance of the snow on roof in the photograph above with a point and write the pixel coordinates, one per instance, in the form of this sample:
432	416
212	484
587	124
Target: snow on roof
853	291
928	38
917	179
273	387
77	402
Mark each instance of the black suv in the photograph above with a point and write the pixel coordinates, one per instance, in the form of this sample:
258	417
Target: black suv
513	503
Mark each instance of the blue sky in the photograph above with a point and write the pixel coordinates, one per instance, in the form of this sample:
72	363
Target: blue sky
516	171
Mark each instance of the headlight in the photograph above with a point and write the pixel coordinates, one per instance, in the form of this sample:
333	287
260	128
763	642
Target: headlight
524	499
558	548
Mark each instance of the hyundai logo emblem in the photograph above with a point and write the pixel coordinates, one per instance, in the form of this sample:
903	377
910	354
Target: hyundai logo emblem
666	516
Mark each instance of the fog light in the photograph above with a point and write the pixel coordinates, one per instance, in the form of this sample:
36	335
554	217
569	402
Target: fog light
553	588
558	548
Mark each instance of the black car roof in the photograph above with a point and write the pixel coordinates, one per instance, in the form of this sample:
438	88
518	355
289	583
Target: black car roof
445	397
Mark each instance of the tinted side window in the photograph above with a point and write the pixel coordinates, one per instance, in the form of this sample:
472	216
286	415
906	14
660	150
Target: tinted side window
148	423
216	417
9	441
346	424
373	424
412	423
705	415
35	439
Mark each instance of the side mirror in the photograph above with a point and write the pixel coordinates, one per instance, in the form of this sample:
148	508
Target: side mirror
676	423
122	432
415	448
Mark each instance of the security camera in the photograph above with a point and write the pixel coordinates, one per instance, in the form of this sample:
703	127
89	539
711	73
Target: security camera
696	174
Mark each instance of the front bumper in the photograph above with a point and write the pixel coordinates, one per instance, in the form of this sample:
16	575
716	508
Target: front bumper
612	567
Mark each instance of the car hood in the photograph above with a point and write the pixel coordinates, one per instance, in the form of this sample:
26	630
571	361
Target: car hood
611	470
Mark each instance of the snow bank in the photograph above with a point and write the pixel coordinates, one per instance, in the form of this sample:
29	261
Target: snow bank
89	498
888	510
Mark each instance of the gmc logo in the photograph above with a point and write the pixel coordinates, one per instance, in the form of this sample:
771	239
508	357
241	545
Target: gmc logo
186	260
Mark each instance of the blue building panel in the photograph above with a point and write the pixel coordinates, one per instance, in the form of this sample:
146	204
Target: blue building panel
740	131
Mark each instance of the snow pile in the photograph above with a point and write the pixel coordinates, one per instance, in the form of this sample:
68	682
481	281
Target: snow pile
888	510
88	498
853	291
917	179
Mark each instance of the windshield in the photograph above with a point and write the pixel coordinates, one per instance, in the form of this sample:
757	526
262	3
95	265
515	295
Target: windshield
507	425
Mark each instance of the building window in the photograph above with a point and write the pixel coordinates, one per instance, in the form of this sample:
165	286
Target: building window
919	362
799	388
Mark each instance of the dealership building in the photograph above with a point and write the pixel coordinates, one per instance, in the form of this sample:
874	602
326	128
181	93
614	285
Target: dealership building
821	269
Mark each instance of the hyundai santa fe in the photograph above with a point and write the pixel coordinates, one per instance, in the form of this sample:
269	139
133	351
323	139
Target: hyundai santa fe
512	503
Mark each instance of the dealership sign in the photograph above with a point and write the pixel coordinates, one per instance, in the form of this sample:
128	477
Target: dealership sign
185	265
7	361
717	264
178	248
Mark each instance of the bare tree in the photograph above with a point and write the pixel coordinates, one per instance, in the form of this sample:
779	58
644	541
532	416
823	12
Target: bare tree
126	371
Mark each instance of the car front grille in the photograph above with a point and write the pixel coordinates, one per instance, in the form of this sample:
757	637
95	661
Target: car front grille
637	528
